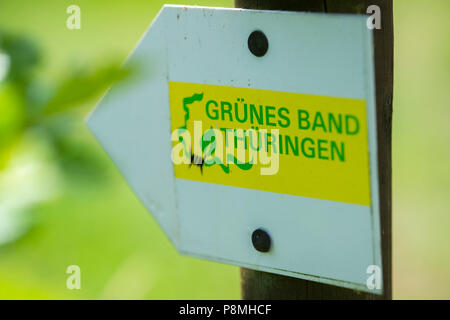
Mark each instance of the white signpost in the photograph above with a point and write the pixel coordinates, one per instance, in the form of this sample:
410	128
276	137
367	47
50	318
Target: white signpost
305	82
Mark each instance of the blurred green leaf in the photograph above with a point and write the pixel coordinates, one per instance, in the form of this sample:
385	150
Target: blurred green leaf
27	103
12	119
83	87
24	57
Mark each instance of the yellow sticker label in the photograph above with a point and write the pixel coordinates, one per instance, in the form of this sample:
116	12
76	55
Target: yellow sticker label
289	143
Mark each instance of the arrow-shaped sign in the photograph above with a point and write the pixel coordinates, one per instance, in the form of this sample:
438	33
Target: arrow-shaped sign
251	137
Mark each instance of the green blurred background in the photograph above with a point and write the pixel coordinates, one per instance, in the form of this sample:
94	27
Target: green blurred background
62	201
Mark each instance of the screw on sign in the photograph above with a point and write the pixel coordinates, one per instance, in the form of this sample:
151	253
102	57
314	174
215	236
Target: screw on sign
258	43
284	136
261	240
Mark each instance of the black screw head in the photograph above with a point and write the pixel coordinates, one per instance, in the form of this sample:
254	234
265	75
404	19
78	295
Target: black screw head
261	240
258	43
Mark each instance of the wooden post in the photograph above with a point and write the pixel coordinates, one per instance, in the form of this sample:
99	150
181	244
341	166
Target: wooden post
262	285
